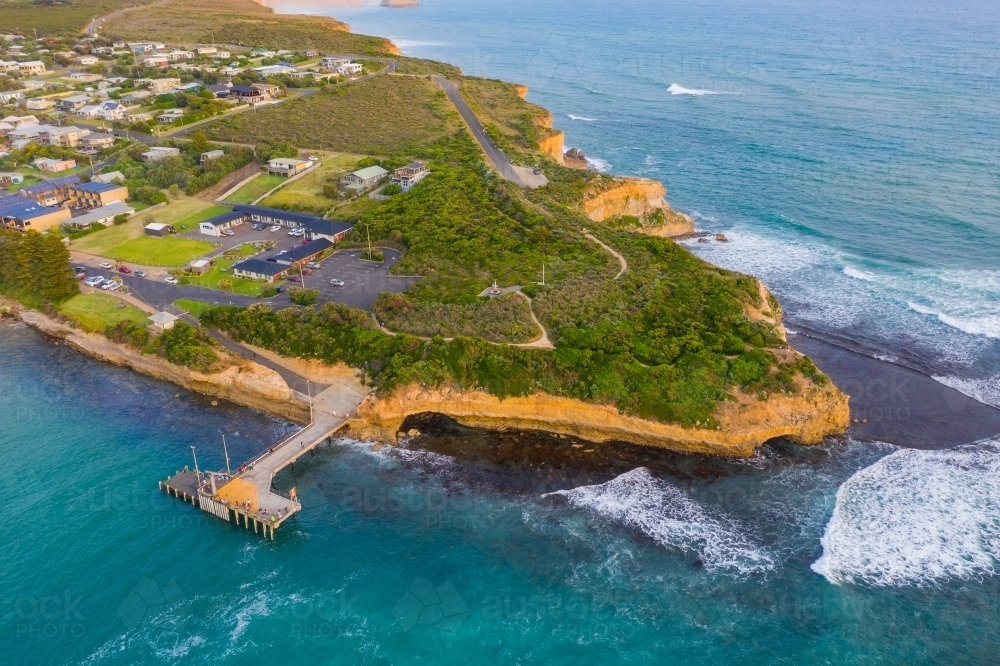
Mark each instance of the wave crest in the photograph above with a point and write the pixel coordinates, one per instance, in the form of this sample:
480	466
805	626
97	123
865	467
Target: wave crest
640	501
572	117
916	518
675	89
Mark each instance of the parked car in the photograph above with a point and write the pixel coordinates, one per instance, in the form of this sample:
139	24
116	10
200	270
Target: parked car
536	171
228	232
81	276
107	265
293	232
336	283
79	269
139	273
313	264
307	271
94	281
280	290
113	286
124	269
294	278
257	227
171	280
275	228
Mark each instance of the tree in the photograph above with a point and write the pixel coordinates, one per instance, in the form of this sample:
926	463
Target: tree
175	191
121	219
226	285
199	141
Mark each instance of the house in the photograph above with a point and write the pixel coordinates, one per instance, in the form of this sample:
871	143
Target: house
300	254
287	166
408	176
210	155
104	215
161	86
53	192
159	153
140	48
54	166
97	142
38	104
332	230
8	66
32	68
363	179
96	195
24	214
246	94
84	77
177	55
8	178
169	116
64	137
206	50
188	87
222	55
11	96
310	53
333	62
73	103
133	97
163	321
274	216
158	229
87	60
200	266
16	122
350	69
214	226
156	61
110	177
111	110
262	53
220	90
139	117
259	269
274	70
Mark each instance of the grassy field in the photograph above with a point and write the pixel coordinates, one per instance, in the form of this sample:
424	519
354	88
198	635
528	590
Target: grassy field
255	188
196	308
306	194
220	271
67	17
419	67
241	22
95	312
191	221
153	251
387	115
103	242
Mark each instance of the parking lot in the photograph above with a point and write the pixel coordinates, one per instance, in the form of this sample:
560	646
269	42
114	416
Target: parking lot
363	280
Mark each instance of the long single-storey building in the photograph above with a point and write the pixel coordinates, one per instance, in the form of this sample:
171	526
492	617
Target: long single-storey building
214	226
104	215
300	254
260	269
332	230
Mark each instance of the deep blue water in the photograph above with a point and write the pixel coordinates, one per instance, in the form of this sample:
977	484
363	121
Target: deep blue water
850	153
850	150
412	556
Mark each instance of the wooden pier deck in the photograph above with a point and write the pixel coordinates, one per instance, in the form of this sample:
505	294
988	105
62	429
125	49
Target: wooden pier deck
247	495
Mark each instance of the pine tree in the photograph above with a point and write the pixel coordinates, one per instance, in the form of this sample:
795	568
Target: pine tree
54	278
26	262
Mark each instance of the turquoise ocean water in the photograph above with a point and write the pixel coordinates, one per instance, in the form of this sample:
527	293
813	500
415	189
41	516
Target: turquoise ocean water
850	150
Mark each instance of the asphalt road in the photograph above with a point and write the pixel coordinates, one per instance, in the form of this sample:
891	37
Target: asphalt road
500	161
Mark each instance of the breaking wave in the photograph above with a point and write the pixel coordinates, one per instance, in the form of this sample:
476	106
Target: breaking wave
572	117
986	391
640	501
597	164
988	326
675	89
917	518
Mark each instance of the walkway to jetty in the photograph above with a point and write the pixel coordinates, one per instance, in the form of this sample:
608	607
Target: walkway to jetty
246	495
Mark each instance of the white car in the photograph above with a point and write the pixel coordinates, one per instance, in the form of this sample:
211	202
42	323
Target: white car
95	281
107	265
337	283
274	229
113	286
170	279
313	265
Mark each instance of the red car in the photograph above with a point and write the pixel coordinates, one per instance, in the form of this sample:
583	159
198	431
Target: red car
124	269
294	278
307	271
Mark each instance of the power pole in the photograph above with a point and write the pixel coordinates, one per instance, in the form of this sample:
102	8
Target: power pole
369	232
195	461
226	451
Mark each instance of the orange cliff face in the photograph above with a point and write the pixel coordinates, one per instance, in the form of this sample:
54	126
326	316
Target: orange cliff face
637	197
745	423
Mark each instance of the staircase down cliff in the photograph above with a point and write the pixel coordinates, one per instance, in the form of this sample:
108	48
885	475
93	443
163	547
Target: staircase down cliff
636	197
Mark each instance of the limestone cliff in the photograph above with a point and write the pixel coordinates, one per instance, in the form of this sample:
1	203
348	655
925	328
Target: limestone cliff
637	197
744	425
551	144
245	383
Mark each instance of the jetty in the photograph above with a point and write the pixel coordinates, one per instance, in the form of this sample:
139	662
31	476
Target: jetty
246	495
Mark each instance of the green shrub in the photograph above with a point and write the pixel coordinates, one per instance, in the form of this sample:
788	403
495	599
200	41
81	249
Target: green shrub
120	219
301	296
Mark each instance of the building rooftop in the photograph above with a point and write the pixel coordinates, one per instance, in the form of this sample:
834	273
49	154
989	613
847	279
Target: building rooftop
163	318
50	185
97	214
97	188
260	266
327	227
370	172
23	208
224	218
300	252
300	218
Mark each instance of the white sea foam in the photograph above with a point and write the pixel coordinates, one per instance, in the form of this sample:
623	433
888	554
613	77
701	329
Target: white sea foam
597	164
858	274
985	324
916	519
572	117
675	89
986	390
669	516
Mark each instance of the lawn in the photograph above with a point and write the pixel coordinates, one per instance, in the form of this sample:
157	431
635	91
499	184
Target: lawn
196	308
387	115
306	194
191	221
255	189
153	251
95	312
65	17
104	242
220	271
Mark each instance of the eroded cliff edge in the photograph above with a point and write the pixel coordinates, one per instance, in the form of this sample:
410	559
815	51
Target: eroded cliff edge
640	198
